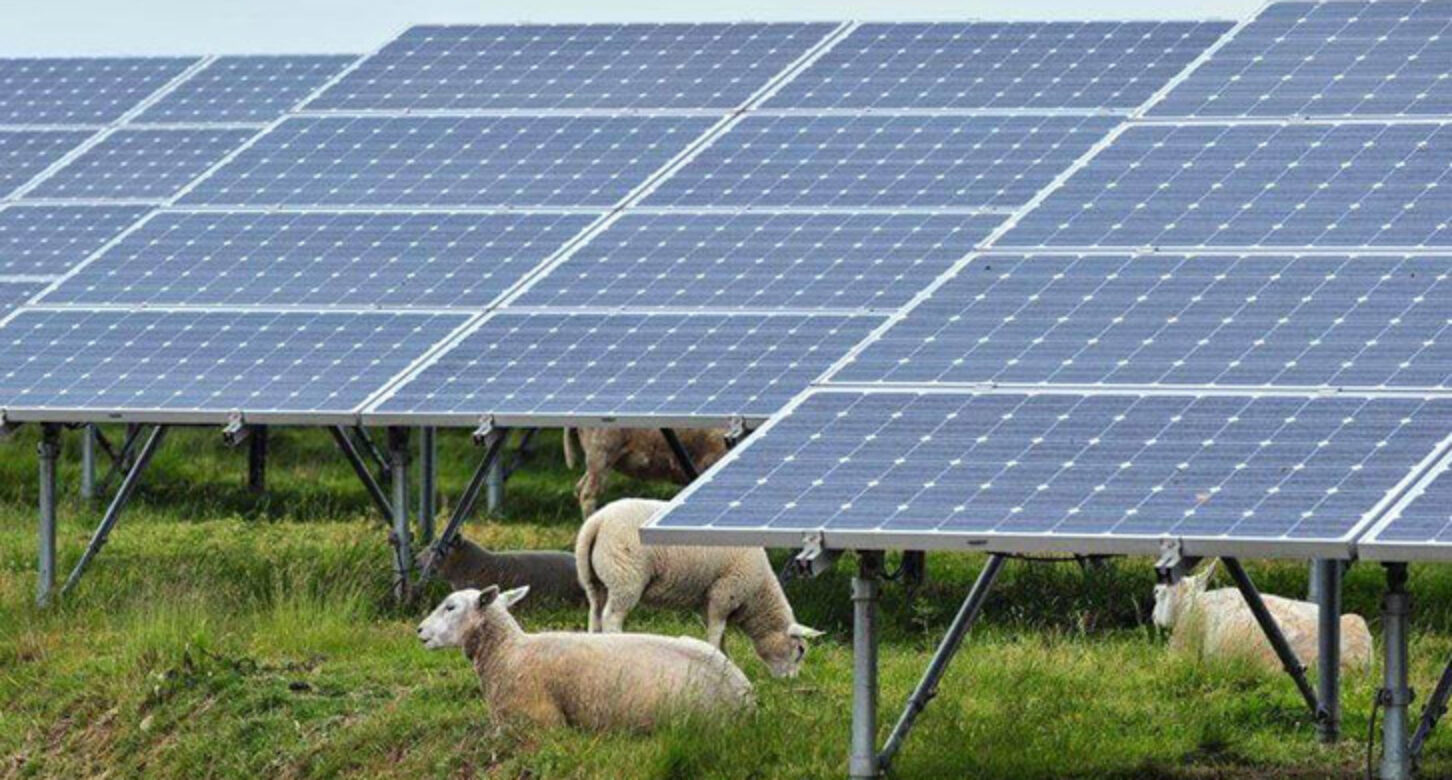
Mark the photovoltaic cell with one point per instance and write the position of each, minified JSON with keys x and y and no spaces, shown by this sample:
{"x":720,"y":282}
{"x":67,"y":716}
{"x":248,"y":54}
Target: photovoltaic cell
{"x":24,"y":154}
{"x":321,"y":259}
{"x":1343,"y":321}
{"x":14,"y":294}
{"x":141,"y":164}
{"x":912,"y":470}
{"x":96,"y":90}
{"x":213,"y":362}
{"x":462,"y":162}
{"x":1421,"y":529}
{"x":754,"y":260}
{"x":1039,"y":65}
{"x":1315,"y":185}
{"x":246,"y":89}
{"x":598,"y":66}
{"x":1327,"y":59}
{"x":629,"y":364}
{"x":50,"y":240}
{"x":881,"y":161}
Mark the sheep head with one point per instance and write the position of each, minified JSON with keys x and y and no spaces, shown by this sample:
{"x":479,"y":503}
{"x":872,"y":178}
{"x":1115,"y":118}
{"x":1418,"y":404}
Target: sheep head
{"x":1171,"y":601}
{"x":784,"y":650}
{"x":449,"y":622}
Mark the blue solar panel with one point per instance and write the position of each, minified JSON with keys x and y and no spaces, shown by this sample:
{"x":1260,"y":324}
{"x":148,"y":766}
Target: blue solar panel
{"x":213,"y":362}
{"x":141,"y":164}
{"x":321,"y":259}
{"x":24,"y":154}
{"x":881,"y":161}
{"x":246,"y":89}
{"x":1342,"y":321}
{"x":13,"y":294}
{"x":574,"y":66}
{"x":629,"y":364}
{"x":51,"y":91}
{"x":50,"y":240}
{"x":1040,"y":65}
{"x":1069,"y":471}
{"x":1419,"y":528}
{"x":1322,"y":185}
{"x":791,"y":261}
{"x":1327,"y":59}
{"x":508,"y":161}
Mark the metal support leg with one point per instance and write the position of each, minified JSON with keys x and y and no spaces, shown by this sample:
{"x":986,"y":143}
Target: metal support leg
{"x":928,"y":686}
{"x":465,"y":507}
{"x":118,"y":503}
{"x":402,"y":554}
{"x":88,"y":462}
{"x":375,"y":492}
{"x":1292,"y":664}
{"x":683,"y":456}
{"x":257,"y":459}
{"x":1328,"y":638}
{"x":1395,"y":696}
{"x":121,"y":460}
{"x":494,"y":501}
{"x":49,"y":451}
{"x":367,"y":446}
{"x":1436,"y":708}
{"x":428,"y":479}
{"x":862,"y":763}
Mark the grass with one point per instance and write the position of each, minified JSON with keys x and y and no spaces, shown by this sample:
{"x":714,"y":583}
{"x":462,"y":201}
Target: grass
{"x":222,"y":634}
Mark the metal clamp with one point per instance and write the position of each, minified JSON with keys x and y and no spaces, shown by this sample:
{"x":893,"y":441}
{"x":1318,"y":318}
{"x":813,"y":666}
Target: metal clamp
{"x":812,"y":561}
{"x":236,"y":431}
{"x":736,"y":432}
{"x":485,"y":430}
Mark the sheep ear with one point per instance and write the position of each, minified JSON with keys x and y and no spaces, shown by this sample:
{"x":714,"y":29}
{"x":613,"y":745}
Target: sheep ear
{"x":488,"y":595}
{"x":804,"y":632}
{"x":512,"y":597}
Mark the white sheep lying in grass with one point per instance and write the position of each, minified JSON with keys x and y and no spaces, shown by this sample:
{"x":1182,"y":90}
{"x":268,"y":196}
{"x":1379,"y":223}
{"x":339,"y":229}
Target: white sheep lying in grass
{"x":591,"y":681}
{"x":731,"y":584}
{"x":1220,"y":624}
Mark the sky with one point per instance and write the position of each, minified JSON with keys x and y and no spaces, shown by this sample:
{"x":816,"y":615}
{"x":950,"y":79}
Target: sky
{"x":93,"y":27}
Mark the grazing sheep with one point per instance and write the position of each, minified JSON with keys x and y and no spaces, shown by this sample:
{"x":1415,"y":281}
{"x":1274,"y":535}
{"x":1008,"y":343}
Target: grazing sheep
{"x":731,"y":584}
{"x":591,"y":681}
{"x":641,"y":453}
{"x":549,"y":574}
{"x":1223,"y":624}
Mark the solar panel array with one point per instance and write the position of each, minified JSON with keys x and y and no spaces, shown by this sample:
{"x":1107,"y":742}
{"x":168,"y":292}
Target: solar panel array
{"x":601,"y":221}
{"x":1226,"y":328}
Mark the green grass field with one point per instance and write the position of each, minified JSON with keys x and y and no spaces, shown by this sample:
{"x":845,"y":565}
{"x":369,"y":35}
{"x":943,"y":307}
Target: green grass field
{"x":222,"y":634}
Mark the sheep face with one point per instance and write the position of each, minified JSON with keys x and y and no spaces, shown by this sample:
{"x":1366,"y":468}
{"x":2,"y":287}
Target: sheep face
{"x":450,"y":621}
{"x":784,"y":651}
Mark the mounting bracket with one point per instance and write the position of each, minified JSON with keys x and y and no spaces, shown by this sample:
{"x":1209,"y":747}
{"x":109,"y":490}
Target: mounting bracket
{"x":236,"y":431}
{"x":812,"y":561}
{"x":485,"y":430}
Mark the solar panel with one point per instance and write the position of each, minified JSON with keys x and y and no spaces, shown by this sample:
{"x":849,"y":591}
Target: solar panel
{"x":618,"y":365}
{"x":1418,"y":528}
{"x":202,"y":365}
{"x":246,"y":89}
{"x":99,"y":90}
{"x":13,"y":294}
{"x":50,"y":240}
{"x":24,"y":154}
{"x":321,"y":259}
{"x":1314,"y":185}
{"x":461,"y":162}
{"x":1262,"y":320}
{"x":881,"y":161}
{"x":1327,"y":59}
{"x":598,"y":66}
{"x":1037,"y":65}
{"x":757,"y":260}
{"x":134,"y":164}
{"x":1081,"y":473}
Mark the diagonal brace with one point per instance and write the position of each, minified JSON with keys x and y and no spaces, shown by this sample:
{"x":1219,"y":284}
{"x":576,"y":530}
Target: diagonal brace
{"x":493,"y":447}
{"x":118,"y":503}
{"x":683,"y":455}
{"x":952,"y":641}
{"x":1435,"y":709}
{"x":120,"y":459}
{"x":1287,"y":656}
{"x":375,"y":492}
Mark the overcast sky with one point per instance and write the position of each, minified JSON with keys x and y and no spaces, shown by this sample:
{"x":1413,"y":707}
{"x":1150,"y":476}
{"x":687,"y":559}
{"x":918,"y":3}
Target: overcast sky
{"x":50,"y":27}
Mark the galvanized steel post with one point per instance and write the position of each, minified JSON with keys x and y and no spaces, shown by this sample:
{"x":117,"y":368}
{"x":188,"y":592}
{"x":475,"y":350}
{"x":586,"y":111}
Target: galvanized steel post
{"x":862,"y":763}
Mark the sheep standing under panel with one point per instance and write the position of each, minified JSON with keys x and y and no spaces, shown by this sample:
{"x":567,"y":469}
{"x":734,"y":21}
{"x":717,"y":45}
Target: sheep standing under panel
{"x":731,"y":584}
{"x":549,"y":574}
{"x":1220,"y":624}
{"x":641,"y":453}
{"x":591,"y":681}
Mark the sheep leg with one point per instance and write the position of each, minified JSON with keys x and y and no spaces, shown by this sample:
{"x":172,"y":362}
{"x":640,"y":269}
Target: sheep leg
{"x":718,"y":611}
{"x":617,"y":607}
{"x":597,"y":597}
